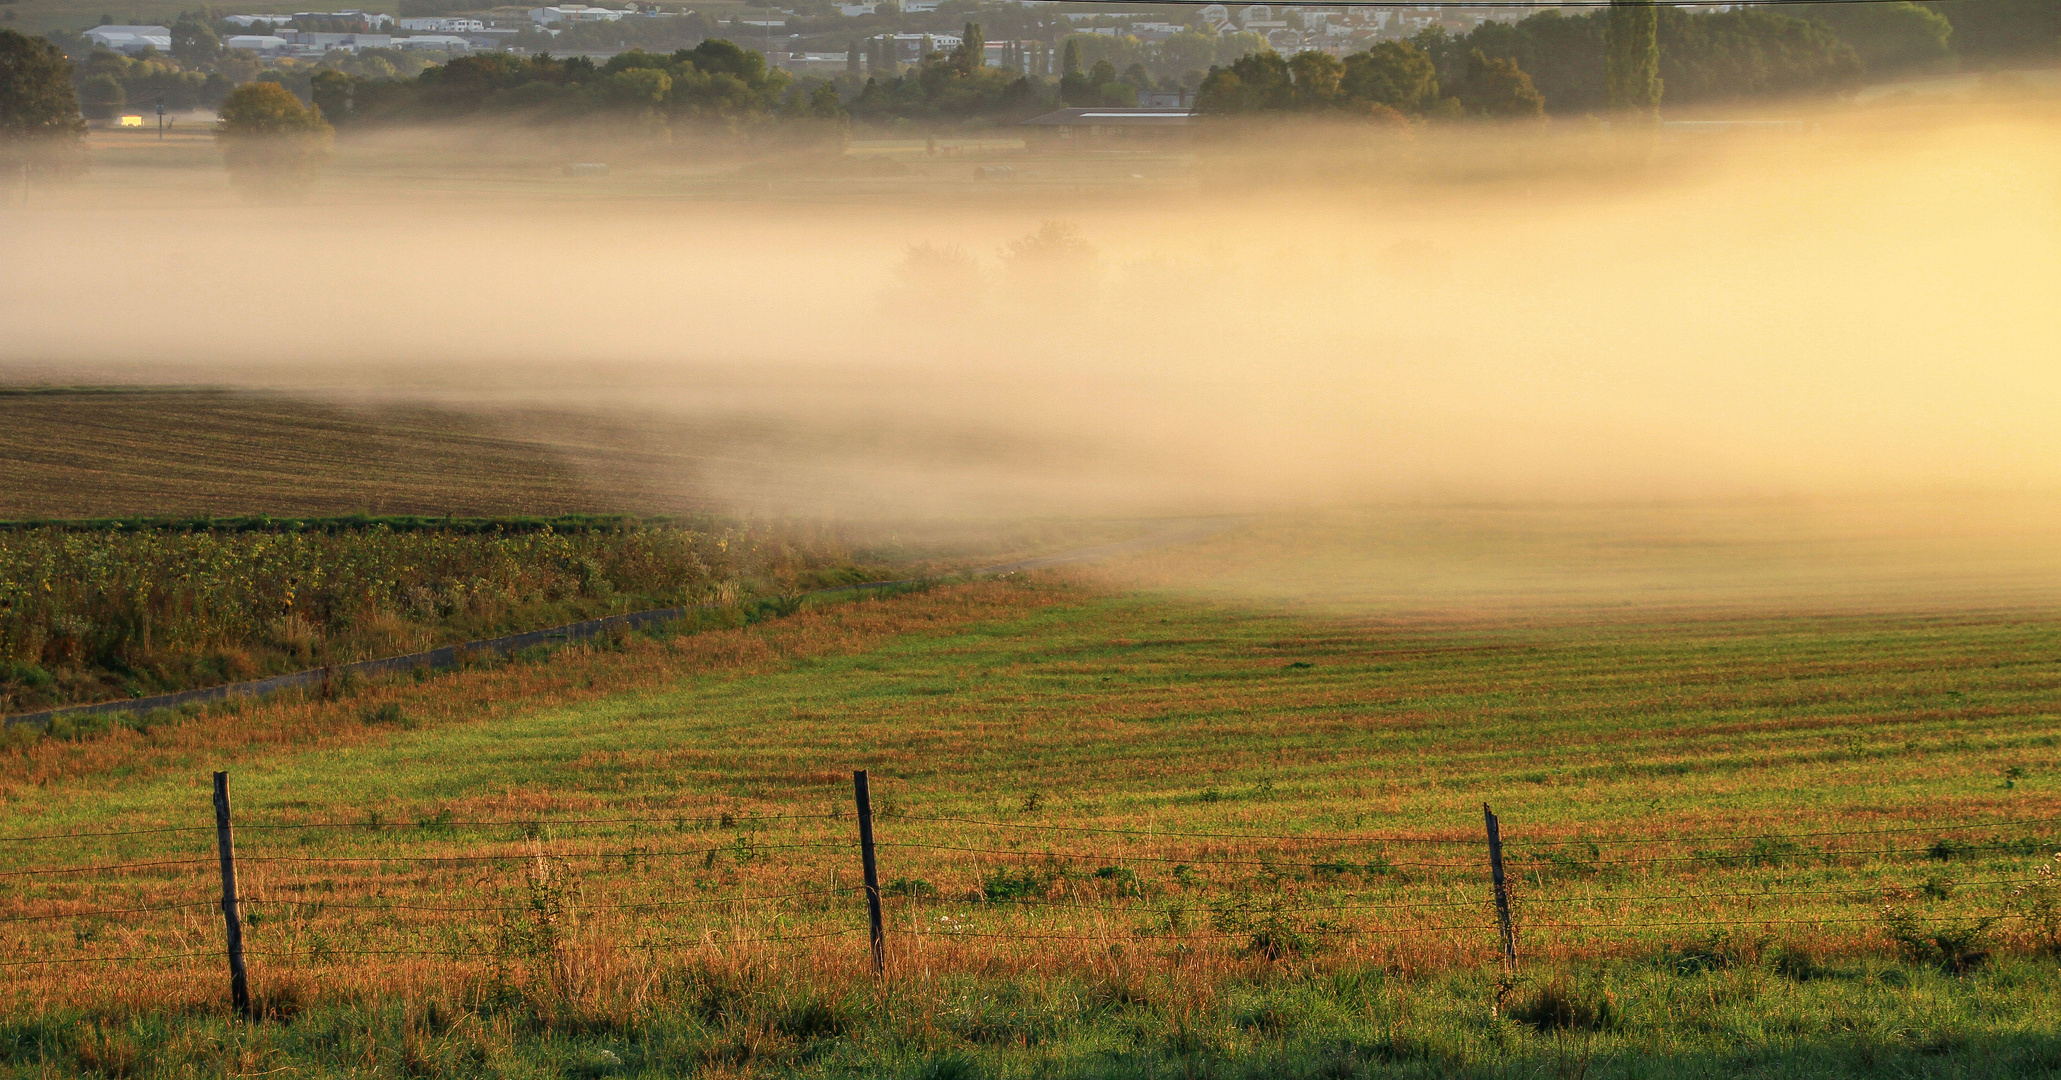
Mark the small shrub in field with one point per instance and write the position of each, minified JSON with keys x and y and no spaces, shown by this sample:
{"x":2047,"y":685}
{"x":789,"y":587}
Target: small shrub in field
{"x":388,"y":715}
{"x":1955,"y":947}
{"x":1003,"y":884}
{"x":1559,"y":1005}
{"x":913,"y":888}
{"x":1795,"y":964}
{"x":1716,"y":951}
{"x":1577,"y":860}
{"x":1763,"y":851}
{"x":1125,"y":881}
{"x":2039,"y":900}
{"x":810,"y":1017}
{"x":1270,"y":932}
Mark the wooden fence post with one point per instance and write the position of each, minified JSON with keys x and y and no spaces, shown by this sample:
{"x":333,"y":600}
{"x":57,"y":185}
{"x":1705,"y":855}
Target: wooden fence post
{"x":1495,"y":844}
{"x":865,"y":799}
{"x":232,"y":915}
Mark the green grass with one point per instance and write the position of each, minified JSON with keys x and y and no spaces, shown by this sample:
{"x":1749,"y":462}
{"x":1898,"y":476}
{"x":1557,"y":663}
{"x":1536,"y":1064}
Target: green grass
{"x":1057,"y":706}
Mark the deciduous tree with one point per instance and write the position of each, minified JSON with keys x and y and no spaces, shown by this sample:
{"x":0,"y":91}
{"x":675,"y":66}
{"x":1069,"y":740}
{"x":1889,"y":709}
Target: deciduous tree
{"x":1499,"y":90}
{"x":41,"y":134}
{"x":1392,"y":73}
{"x":273,"y":144}
{"x":1632,"y":57}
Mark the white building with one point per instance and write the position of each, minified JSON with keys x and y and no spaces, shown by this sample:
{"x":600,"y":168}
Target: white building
{"x":248,"y":21}
{"x":911,"y":48}
{"x":853,"y":11}
{"x":372,"y":19}
{"x":443,"y":25}
{"x":258,"y":43}
{"x":131,"y":39}
{"x":443,"y":43}
{"x":573,"y":13}
{"x":319,"y":42}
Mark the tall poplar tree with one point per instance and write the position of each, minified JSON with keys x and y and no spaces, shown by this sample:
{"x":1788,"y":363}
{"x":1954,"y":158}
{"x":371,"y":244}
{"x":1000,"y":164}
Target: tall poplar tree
{"x":972,"y":53}
{"x":1631,"y":52}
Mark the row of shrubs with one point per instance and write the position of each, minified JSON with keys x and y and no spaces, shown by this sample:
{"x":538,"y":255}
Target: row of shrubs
{"x":125,"y":612}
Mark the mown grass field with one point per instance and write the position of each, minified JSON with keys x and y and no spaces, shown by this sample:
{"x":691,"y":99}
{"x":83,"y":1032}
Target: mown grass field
{"x":1125,"y":832}
{"x":181,"y":452}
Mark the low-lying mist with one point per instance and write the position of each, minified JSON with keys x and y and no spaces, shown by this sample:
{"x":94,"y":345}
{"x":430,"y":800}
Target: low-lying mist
{"x":1856,"y":306}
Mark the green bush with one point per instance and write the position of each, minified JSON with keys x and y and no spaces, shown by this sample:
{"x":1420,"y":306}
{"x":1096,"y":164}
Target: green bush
{"x":21,"y":673}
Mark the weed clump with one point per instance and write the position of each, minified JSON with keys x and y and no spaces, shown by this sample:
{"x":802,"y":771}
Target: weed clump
{"x":388,"y":715}
{"x":913,"y":888}
{"x":1796,"y":964}
{"x":1956,"y":947}
{"x":2039,"y":900}
{"x":1560,"y":1005}
{"x":1003,"y":885}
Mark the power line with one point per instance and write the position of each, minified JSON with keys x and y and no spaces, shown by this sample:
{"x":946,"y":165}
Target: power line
{"x":719,"y":820}
{"x":1520,"y":842}
{"x":1523,"y":4}
{"x":1208,"y":835}
{"x":1112,"y":857}
{"x":98,"y":869}
{"x":108,"y":911}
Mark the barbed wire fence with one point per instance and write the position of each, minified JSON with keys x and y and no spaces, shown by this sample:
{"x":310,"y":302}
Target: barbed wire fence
{"x":1028,"y":868}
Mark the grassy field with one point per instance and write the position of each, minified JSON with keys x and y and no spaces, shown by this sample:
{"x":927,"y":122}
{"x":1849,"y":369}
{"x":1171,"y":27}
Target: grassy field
{"x":1125,"y":832}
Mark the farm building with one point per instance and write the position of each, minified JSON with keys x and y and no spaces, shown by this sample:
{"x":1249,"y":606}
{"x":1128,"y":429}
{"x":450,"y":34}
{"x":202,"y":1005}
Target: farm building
{"x":1099,"y":125}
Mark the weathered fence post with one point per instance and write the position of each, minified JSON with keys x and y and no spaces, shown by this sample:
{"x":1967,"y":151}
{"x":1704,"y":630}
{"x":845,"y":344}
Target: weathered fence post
{"x":1495,"y":839}
{"x":232,"y":915}
{"x":865,"y":799}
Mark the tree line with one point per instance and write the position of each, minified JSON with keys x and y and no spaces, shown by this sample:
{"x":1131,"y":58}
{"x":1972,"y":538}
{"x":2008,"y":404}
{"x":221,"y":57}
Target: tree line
{"x":1633,"y":56}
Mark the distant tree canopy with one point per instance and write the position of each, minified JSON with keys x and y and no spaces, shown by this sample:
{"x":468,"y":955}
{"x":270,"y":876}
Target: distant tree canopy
{"x":100,"y":96}
{"x":1387,"y":81}
{"x":714,"y":80}
{"x":1392,"y":73}
{"x":261,"y":110}
{"x":947,"y":87}
{"x":1180,"y":60}
{"x":273,"y":144}
{"x":1496,"y":88}
{"x":1705,"y":57}
{"x":1891,"y":39}
{"x":194,"y":41}
{"x":36,"y":96}
{"x":2004,"y":30}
